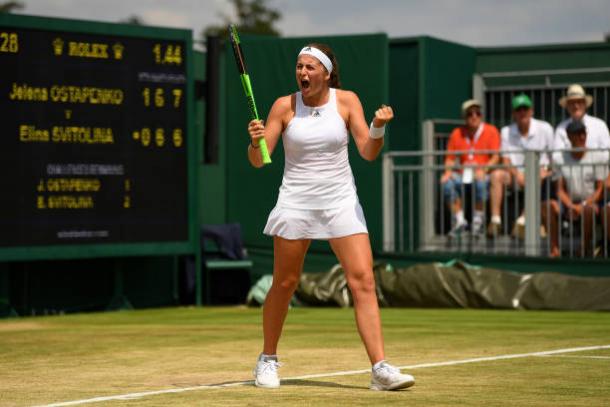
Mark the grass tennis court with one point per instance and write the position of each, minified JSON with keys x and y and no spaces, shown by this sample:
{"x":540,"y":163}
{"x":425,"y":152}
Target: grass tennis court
{"x":46,"y":360}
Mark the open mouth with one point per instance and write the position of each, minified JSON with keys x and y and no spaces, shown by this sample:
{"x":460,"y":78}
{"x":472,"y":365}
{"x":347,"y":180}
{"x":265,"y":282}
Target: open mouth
{"x":304,"y":84}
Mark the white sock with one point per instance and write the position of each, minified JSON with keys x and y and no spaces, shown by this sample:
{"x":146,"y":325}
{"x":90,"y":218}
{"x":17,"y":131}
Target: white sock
{"x":378,"y":364}
{"x":478,"y":216}
{"x":496,"y":219}
{"x":267,"y":358}
{"x":459,"y":217}
{"x":521,"y":220}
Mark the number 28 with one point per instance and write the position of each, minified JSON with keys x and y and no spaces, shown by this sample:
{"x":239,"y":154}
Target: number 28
{"x":9,"y":42}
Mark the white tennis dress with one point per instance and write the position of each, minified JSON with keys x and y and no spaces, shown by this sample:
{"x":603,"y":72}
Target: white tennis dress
{"x":317,"y":198}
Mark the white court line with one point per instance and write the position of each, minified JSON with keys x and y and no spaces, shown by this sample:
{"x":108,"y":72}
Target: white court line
{"x":576,"y":357}
{"x":131,"y":396}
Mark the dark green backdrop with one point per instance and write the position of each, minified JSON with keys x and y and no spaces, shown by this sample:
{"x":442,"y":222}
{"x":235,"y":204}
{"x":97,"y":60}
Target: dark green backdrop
{"x":421,"y":77}
{"x":252,"y":193}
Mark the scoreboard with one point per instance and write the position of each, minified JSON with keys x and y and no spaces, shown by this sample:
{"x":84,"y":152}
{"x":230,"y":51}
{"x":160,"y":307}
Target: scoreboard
{"x":95,"y":144}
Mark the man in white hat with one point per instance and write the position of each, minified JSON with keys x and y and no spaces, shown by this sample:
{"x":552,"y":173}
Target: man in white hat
{"x":576,"y":102}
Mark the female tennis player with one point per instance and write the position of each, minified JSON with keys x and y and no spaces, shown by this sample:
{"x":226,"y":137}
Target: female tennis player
{"x":318,"y":200}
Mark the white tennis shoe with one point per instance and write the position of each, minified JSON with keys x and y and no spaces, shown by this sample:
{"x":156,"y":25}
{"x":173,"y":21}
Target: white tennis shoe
{"x":388,"y":377}
{"x":265,"y":374}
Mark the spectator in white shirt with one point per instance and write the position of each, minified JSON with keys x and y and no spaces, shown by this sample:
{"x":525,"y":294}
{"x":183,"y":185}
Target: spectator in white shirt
{"x":579,"y":189}
{"x":576,"y":102}
{"x":525,"y":133}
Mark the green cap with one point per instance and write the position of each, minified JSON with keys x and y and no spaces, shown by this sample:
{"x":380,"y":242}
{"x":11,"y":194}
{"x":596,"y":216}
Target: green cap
{"x":521,"y":100}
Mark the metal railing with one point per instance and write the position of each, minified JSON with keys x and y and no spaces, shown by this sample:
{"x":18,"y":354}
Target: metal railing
{"x":544,"y":87}
{"x":416,"y":217}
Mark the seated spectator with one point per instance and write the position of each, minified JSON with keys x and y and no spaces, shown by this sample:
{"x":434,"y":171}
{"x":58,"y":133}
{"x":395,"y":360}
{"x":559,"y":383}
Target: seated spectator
{"x":525,"y":133}
{"x":472,"y":136}
{"x":579,"y":189}
{"x":576,"y":102}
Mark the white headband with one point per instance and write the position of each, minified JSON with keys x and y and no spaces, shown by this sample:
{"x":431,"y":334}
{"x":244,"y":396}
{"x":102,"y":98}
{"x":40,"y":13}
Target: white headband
{"x":314,"y":52}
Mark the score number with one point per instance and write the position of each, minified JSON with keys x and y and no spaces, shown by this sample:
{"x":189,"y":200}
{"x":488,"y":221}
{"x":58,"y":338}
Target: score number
{"x":167,"y":54}
{"x":157,"y":96}
{"x":9,"y":42}
{"x":147,"y":137}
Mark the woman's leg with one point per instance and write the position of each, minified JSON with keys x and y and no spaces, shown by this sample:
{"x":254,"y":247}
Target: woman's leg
{"x":354,"y":254}
{"x":287,"y":265}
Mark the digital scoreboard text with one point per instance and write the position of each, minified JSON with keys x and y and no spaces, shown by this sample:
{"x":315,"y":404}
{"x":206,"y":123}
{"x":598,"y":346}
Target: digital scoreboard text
{"x":93,"y":132}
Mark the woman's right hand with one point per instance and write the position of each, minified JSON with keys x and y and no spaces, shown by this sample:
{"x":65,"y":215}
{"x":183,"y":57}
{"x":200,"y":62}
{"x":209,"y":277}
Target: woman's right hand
{"x":256,"y":129}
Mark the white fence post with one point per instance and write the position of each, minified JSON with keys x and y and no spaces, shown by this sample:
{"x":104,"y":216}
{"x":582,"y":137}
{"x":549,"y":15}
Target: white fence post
{"x":532,"y":204}
{"x":427,"y":186}
{"x":478,"y":89}
{"x":388,"y":203}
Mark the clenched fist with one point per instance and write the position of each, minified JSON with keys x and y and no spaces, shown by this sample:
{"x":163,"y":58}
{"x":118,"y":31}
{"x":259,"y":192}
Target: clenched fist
{"x":383,"y":115}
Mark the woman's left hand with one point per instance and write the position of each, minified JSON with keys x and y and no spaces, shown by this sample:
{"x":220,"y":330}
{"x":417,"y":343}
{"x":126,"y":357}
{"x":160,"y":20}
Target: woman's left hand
{"x":383,"y":115}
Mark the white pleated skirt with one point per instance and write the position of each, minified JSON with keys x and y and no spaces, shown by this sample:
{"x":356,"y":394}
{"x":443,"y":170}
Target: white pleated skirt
{"x":322,"y":224}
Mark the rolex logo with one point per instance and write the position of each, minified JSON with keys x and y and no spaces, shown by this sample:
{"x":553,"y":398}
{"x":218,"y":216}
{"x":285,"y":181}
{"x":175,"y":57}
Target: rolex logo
{"x":58,"y":46}
{"x":117,"y":49}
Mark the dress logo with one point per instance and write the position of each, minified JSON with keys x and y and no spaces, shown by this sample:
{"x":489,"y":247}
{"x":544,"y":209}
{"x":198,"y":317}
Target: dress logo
{"x":315,"y":113}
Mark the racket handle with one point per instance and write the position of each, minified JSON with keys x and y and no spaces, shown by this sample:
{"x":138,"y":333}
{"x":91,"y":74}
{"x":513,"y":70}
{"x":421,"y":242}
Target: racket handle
{"x":264,"y":152}
{"x":245,"y":81}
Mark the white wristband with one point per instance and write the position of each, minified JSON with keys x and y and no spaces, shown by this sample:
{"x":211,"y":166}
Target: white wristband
{"x":376,"y":132}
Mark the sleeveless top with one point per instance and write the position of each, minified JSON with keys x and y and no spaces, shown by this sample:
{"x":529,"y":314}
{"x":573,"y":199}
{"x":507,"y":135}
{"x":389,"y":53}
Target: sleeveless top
{"x":317,"y":174}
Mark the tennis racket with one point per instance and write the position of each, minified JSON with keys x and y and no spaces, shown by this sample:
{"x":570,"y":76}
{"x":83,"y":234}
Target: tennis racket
{"x":245,"y":81}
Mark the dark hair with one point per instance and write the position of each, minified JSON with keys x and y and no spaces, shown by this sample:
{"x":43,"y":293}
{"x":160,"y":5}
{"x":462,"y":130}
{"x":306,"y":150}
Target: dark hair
{"x":575,"y":128}
{"x":334,"y":75}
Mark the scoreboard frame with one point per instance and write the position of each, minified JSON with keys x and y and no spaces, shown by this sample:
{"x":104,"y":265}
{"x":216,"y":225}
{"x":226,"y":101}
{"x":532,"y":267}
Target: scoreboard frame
{"x":122,"y":249}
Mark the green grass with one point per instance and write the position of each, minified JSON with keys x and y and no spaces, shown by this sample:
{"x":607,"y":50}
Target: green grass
{"x":72,"y":357}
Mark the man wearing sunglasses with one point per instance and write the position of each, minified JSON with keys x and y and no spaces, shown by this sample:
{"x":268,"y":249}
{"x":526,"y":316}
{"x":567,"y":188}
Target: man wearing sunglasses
{"x":525,"y":133}
{"x":473,"y":136}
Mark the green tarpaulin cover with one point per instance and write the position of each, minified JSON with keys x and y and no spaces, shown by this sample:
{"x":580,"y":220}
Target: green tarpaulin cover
{"x":459,"y":285}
